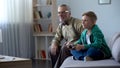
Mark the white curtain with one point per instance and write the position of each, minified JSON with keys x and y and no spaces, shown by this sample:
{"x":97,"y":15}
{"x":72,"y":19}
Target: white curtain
{"x":16,"y":25}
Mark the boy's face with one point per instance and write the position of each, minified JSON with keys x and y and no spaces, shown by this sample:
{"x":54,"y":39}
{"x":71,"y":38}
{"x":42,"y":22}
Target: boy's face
{"x":87,"y":23}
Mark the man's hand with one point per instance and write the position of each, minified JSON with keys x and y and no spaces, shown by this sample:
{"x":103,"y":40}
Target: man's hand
{"x":54,"y":48}
{"x":68,"y":44}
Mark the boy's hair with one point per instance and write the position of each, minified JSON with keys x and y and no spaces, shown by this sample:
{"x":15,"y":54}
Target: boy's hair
{"x":90,"y":14}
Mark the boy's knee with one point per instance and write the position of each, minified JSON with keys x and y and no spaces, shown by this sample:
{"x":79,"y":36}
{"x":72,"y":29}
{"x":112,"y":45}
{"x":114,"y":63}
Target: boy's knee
{"x":92,"y":51}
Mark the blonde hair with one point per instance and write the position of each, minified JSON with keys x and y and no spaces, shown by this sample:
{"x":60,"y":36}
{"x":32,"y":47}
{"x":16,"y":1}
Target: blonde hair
{"x":90,"y":14}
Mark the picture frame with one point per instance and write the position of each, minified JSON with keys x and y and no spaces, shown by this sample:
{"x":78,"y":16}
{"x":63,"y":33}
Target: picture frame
{"x":104,"y":2}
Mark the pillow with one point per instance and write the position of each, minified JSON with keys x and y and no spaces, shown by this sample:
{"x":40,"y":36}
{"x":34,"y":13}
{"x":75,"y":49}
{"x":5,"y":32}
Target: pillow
{"x":116,"y":35}
{"x":116,"y":49}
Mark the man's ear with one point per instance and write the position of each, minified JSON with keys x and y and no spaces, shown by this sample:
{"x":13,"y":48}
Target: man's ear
{"x":70,"y":13}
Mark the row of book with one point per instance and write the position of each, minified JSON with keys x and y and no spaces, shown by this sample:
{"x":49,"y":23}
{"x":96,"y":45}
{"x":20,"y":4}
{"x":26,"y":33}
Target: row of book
{"x":41,"y":54}
{"x":49,"y":2}
{"x":37,"y":28}
{"x":38,"y":15}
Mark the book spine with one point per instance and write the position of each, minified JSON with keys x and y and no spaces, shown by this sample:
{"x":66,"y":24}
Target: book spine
{"x":43,"y":54}
{"x":36,"y":14}
{"x":50,"y":27}
{"x":37,"y":27}
{"x":40,"y":14}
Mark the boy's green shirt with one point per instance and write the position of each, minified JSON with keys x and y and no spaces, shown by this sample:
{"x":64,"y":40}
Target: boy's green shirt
{"x":97,"y":40}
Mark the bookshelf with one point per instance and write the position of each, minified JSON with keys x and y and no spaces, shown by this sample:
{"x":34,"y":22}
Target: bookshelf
{"x":42,"y":42}
{"x":45,"y":13}
{"x":44,"y":26}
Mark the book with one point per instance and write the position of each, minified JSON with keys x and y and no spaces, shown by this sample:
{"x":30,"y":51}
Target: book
{"x":49,"y":2}
{"x":40,"y":14}
{"x":49,"y":14}
{"x":37,"y":27}
{"x":50,"y":27}
{"x":43,"y":54}
{"x":36,"y":15}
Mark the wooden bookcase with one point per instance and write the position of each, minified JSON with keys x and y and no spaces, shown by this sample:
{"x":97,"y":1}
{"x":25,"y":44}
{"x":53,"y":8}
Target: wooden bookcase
{"x":44,"y":25}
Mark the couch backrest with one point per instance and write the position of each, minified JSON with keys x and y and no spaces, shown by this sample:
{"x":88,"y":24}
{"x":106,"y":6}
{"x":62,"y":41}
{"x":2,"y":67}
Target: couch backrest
{"x":115,"y":46}
{"x":113,"y":39}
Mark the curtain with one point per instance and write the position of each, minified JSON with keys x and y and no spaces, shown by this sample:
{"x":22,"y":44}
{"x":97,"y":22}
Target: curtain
{"x":16,"y":25}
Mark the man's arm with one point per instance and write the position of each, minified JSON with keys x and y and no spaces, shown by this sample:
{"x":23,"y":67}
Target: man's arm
{"x":58,"y":36}
{"x":57,"y":39}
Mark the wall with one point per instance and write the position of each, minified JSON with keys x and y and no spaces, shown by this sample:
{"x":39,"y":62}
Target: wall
{"x":63,"y":2}
{"x":108,"y":15}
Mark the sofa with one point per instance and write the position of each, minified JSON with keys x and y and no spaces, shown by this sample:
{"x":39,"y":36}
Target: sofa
{"x":113,"y":62}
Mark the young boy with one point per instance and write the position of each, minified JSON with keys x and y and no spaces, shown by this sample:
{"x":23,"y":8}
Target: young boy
{"x":91,"y":45}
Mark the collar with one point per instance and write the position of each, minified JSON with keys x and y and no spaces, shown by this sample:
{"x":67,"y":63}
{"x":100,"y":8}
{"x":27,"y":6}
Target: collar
{"x":68,"y":21}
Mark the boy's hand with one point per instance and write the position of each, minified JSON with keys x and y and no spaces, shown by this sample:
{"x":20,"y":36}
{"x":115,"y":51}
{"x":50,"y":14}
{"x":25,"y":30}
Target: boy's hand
{"x":78,"y":47}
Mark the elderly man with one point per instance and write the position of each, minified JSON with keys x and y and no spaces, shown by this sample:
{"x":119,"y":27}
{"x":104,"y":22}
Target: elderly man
{"x":69,"y":29}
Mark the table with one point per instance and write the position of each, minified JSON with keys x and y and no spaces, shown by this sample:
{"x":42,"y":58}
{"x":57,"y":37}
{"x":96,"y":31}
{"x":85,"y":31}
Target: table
{"x":14,"y":62}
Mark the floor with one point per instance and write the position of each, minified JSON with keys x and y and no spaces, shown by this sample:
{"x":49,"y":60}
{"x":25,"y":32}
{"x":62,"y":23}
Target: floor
{"x":37,"y":63}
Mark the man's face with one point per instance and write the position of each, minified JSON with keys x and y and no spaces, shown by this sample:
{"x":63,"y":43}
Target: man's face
{"x":63,"y":14}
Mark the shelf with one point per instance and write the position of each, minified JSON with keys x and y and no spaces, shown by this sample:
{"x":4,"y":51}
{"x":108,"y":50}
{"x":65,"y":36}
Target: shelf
{"x":42,"y":20}
{"x":37,"y":5}
{"x":42,"y":58}
{"x":44,"y":34}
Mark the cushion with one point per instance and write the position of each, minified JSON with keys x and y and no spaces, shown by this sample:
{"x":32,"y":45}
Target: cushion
{"x":116,"y":49}
{"x":112,"y":40}
{"x":106,"y":63}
